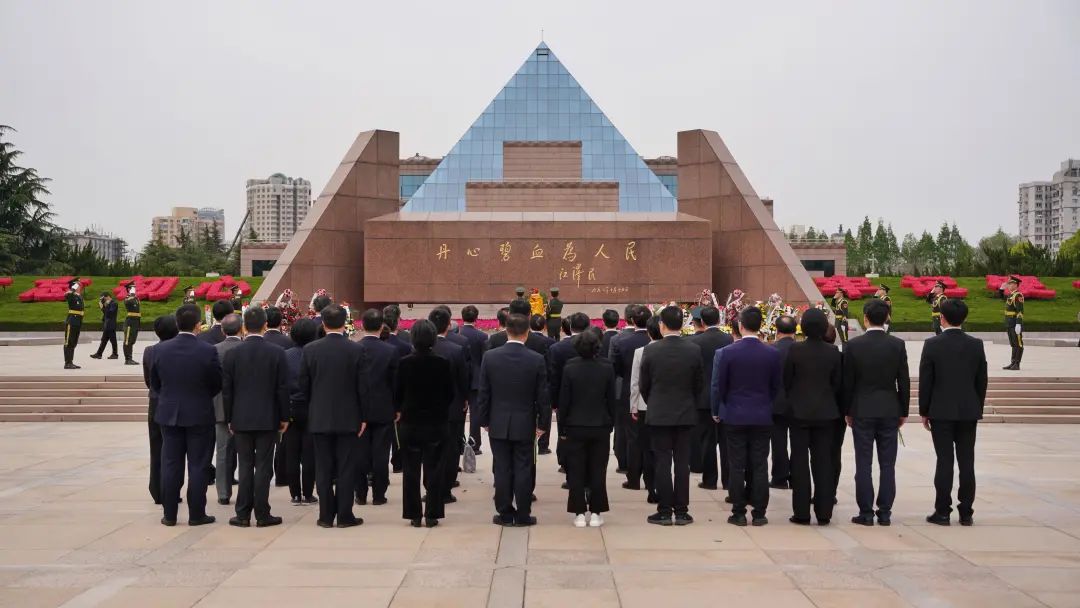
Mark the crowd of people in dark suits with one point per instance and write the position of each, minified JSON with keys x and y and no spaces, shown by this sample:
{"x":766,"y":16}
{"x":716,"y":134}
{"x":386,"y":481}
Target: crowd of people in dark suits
{"x":330,"y":416}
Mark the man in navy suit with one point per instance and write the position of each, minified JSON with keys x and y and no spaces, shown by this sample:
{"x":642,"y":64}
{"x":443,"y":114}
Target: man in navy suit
{"x":185,"y":375}
{"x":477,"y":340}
{"x":460,"y":366}
{"x":622,"y":356}
{"x":745,"y":381}
{"x":780,"y":477}
{"x":378,"y":369}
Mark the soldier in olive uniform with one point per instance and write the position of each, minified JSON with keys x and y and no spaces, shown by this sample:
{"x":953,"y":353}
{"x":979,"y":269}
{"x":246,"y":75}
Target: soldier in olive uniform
{"x":882,"y":294}
{"x":936,"y":299}
{"x":108,"y":325}
{"x":132,"y":323}
{"x":73,"y":323}
{"x":1014,"y":318}
{"x":189,"y":295}
{"x":236,"y":300}
{"x":840,"y":312}
{"x":554,"y":315}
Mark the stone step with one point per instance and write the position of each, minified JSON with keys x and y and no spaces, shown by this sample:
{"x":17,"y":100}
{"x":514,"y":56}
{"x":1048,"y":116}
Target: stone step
{"x":1026,"y":410}
{"x":71,"y":385}
{"x":137,"y":400}
{"x":1042,"y":418}
{"x":76,"y":378}
{"x":75,"y":409}
{"x":74,"y":417}
{"x":66,"y":392}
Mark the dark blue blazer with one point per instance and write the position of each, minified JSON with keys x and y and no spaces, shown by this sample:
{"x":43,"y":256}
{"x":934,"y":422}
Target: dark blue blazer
{"x":186,"y":375}
{"x":746,"y":378}
{"x":513,"y":399}
{"x":477,"y":339}
{"x":378,"y":372}
{"x":557,"y":356}
{"x":403,"y":348}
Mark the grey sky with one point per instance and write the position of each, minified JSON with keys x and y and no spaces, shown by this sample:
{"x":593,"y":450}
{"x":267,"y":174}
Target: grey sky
{"x":917,"y":112}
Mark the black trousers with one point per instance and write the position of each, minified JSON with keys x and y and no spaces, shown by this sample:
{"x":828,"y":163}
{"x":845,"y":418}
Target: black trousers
{"x":429,"y":456}
{"x":697,"y":442}
{"x":475,"y":433}
{"x":299,"y":451}
{"x":131,"y":334}
{"x":1016,"y":341}
{"x":811,"y":457}
{"x":712,"y":470}
{"x":454,"y":444}
{"x":155,"y":461}
{"x":954,"y":436}
{"x":335,"y":470}
{"x":108,"y":337}
{"x":281,"y":462}
{"x":781,"y":463}
{"x":72,"y":328}
{"x":640,"y":459}
{"x":748,"y":455}
{"x":255,"y":462}
{"x":839,"y":431}
{"x":374,"y":458}
{"x":671,"y":451}
{"x":586,"y":450}
{"x":865,"y":433}
{"x":196,"y":445}
{"x":544,"y":442}
{"x":514,"y":477}
{"x":623,"y":424}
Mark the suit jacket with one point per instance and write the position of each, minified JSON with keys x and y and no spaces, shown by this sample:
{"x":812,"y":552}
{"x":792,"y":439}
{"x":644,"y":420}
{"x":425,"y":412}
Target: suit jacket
{"x":622,"y":357}
{"x":781,"y":407}
{"x":814,"y":380}
{"x":876,"y":383}
{"x":626,"y":331}
{"x":587,"y":394}
{"x":557,"y":355}
{"x":255,"y":385}
{"x":212,"y":336}
{"x":459,"y":370}
{"x":147,"y":363}
{"x":709,"y":341}
{"x":745,"y":381}
{"x":330,"y":382}
{"x":222,"y":348}
{"x":378,"y":368}
{"x":424,"y":391}
{"x":298,"y":407}
{"x":185,"y":374}
{"x":496,"y":340}
{"x":952,"y":377}
{"x":605,"y":342}
{"x":108,"y":316}
{"x":513,"y":398}
{"x":539,"y":343}
{"x":670,"y":381}
{"x":404,"y":347}
{"x":278,"y":338}
{"x":477,"y":340}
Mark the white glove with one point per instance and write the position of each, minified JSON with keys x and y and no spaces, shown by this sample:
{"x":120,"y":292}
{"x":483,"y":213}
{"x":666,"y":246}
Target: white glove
{"x":1019,"y":329}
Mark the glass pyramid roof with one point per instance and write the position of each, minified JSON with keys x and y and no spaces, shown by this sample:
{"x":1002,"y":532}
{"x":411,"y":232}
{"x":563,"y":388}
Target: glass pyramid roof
{"x":542,"y":102}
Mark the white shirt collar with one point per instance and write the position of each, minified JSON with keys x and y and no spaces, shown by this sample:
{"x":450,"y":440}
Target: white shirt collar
{"x":232,"y":338}
{"x":872,"y":328}
{"x":948,"y":328}
{"x":513,"y":341}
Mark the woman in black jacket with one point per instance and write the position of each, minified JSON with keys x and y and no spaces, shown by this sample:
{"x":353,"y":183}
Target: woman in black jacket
{"x":298,"y":445}
{"x":422,"y":394}
{"x":813,"y":382}
{"x":586,"y":418}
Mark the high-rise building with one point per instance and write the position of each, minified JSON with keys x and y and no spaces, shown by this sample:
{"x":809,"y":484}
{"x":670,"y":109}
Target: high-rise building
{"x":188,"y":221}
{"x":109,"y":247}
{"x":277,"y":206}
{"x":1049,"y":212}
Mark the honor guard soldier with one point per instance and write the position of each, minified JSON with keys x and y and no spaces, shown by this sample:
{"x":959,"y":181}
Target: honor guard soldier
{"x":936,"y":299}
{"x":73,"y":323}
{"x":554,"y":315}
{"x":132,"y":323}
{"x":108,"y":325}
{"x":189,"y":295}
{"x":840,"y":311}
{"x":236,"y":300}
{"x":1014,"y":317}
{"x":882,"y":294}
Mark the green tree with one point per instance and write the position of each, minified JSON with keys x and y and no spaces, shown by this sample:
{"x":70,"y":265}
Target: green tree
{"x":1070,"y":248}
{"x":27,"y":233}
{"x":864,"y":242}
{"x":883,"y":246}
{"x":811,"y":234}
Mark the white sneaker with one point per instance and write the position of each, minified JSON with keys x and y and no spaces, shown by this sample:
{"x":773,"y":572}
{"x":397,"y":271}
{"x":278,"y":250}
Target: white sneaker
{"x":579,"y":521}
{"x":596,"y":521}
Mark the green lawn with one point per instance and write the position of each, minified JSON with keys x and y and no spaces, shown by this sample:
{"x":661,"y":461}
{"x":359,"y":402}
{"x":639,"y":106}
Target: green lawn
{"x":49,"y":316}
{"x":987,"y":311}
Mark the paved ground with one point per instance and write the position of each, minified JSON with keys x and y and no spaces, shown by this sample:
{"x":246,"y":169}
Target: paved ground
{"x":78,"y":529}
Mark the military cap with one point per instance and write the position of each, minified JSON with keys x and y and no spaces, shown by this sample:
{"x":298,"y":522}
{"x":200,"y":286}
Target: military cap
{"x":884,"y":287}
{"x":940,"y":284}
{"x":1014,"y":279}
{"x":554,"y":290}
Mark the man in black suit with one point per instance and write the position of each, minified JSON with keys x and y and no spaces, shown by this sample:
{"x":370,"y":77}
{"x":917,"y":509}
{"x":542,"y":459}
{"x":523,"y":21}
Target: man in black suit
{"x":185,"y":374}
{"x":877,"y":392}
{"x":622,"y":423}
{"x":459,"y":367}
{"x":780,"y":476}
{"x":952,"y":393}
{"x":611,"y":329}
{"x":378,"y":368}
{"x":331,"y":383}
{"x":557,"y":356}
{"x":622,"y":356}
{"x":517,"y":307}
{"x":671,"y":381}
{"x":538,"y":340}
{"x":255,"y":390}
{"x":165,"y":329}
{"x":390,"y":333}
{"x":275,"y":336}
{"x":710,"y":340}
{"x":514,"y":409}
{"x":477,"y":340}
{"x":219,"y":310}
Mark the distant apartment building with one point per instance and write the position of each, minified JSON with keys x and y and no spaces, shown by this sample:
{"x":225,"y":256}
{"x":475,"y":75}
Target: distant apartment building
{"x":1049,"y":211}
{"x":109,"y":247}
{"x":189,"y":221}
{"x":276,"y":207}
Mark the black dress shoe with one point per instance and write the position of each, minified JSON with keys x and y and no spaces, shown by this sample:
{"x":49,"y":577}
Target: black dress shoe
{"x":499,"y":520}
{"x":728,"y":500}
{"x":660,"y":519}
{"x":239,"y":523}
{"x":759,"y":521}
{"x":311,"y":500}
{"x":478,"y":451}
{"x":966,"y":521}
{"x":456,"y":484}
{"x":397,"y":469}
{"x":131,"y":362}
{"x":350,"y":523}
{"x":631,"y":486}
{"x":938,"y":519}
{"x":168,"y":522}
{"x":779,"y":485}
{"x":652,"y":499}
{"x":95,"y":356}
{"x":737,"y":520}
{"x":431,"y":522}
{"x":202,"y":521}
{"x":323,"y":524}
{"x":277,"y":484}
{"x":683,"y":519}
{"x":565,"y":486}
{"x":705,"y":486}
{"x":378,"y":501}
{"x":223,"y":501}
{"x":798,"y":521}
{"x":543,"y":451}
{"x":884,"y":521}
{"x":273,"y":520}
{"x":449,"y":499}
{"x":534,"y":498}
{"x":297,"y":501}
{"x":823,"y":522}
{"x":114,"y":356}
{"x":71,"y":366}
{"x":415,"y":522}
{"x":863,"y":520}
{"x":620,"y":470}
{"x":525,"y":522}
{"x":361,"y":500}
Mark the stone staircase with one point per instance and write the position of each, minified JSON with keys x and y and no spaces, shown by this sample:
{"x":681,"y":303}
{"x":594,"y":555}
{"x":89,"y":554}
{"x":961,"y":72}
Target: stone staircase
{"x":1025,"y":400}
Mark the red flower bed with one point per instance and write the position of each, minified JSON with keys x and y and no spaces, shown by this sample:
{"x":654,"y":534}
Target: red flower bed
{"x":1031,"y":287}
{"x":155,"y":289}
{"x":1076,"y":284}
{"x":921,"y":286}
{"x":491,"y":325}
{"x":50,"y":290}
{"x":221,"y":289}
{"x":6,"y":282}
{"x":855,"y":287}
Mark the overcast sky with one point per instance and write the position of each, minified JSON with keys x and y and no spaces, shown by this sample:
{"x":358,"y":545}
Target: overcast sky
{"x":916,"y":112}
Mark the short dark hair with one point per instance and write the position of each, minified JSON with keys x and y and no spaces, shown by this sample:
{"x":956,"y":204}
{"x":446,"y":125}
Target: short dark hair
{"x":220,"y":309}
{"x":710,"y":315}
{"x":188,"y":317}
{"x":537,"y":322}
{"x":232,"y":324}
{"x":440,"y":319}
{"x":165,"y":327}
{"x":579,"y":322}
{"x":106,"y":294}
{"x":333,"y":316}
{"x":652,"y":326}
{"x":876,"y":311}
{"x":955,"y":311}
{"x":611,"y":318}
{"x":423,"y":335}
{"x":814,"y":324}
{"x":517,"y":325}
{"x":672,"y":318}
{"x":750,"y":318}
{"x":641,"y":316}
{"x":304,"y":332}
{"x":254,"y":318}
{"x":587,"y":345}
{"x":390,"y":316}
{"x":785,"y":325}
{"x":565,"y":326}
{"x":372,"y":320}
{"x":470,"y":314}
{"x":321,"y":302}
{"x":520,"y":306}
{"x":273,"y":317}
{"x":628,"y":312}
{"x":502,"y":316}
